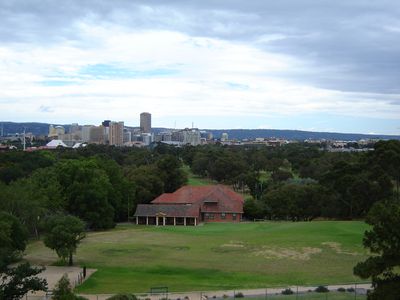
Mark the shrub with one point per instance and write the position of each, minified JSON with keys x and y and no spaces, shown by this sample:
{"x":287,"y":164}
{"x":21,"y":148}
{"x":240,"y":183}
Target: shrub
{"x":322,"y":289}
{"x":123,"y":297}
{"x":63,"y":290}
{"x":239,"y":295}
{"x":341,"y":289}
{"x":287,"y":292}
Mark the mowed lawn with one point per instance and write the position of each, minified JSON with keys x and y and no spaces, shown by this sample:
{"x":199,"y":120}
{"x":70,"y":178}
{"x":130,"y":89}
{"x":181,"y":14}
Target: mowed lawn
{"x":134,"y":258}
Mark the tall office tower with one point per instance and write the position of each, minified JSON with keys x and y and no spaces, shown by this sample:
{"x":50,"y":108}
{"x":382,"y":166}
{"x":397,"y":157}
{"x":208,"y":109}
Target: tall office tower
{"x":97,"y":135}
{"x":52,"y":131}
{"x":116,"y":133}
{"x":73,"y":128}
{"x":145,"y":122}
{"x":86,"y":133}
{"x":106,"y":124}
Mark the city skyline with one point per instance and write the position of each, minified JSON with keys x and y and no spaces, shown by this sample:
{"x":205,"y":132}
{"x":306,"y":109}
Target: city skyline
{"x":314,"y":66}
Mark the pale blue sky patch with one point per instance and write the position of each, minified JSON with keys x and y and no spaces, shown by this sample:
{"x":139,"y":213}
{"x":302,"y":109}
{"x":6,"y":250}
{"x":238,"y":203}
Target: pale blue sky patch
{"x":59,"y":83}
{"x":106,"y":71}
{"x":237,"y":86}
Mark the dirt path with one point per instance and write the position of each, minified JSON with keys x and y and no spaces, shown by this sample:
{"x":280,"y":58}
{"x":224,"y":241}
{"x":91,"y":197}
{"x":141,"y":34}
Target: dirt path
{"x":53,"y":274}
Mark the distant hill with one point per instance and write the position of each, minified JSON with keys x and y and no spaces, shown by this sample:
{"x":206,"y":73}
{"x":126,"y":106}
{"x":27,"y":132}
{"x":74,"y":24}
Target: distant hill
{"x":296,"y":134}
{"x":34,"y":127}
{"x":239,"y":134}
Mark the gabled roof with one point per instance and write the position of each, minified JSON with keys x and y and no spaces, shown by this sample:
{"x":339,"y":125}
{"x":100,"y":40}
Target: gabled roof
{"x":226,"y":199}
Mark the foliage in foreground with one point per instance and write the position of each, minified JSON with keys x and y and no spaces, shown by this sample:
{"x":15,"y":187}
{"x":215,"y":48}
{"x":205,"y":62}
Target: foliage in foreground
{"x":16,"y":282}
{"x":384,"y":242}
{"x":63,"y":290}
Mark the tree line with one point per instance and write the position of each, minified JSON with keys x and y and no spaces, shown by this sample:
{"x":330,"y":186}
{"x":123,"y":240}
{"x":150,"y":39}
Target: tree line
{"x":301,"y":182}
{"x":62,"y":193}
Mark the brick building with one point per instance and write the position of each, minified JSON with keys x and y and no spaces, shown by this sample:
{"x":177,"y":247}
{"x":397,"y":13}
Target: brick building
{"x":191,"y":205}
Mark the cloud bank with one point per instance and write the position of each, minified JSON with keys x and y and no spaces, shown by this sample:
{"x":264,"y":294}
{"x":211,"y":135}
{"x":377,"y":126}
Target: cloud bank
{"x":220,"y":64}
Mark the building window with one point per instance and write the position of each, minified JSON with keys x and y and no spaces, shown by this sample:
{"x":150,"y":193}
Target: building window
{"x":223,"y":215}
{"x":209,"y":216}
{"x":233,"y":216}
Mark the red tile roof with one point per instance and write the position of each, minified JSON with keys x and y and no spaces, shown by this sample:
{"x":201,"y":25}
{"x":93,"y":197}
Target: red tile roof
{"x":224,"y":198}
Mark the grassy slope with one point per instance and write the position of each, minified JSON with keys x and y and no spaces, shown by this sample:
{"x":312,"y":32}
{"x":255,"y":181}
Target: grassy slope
{"x":216,"y":256}
{"x":196,"y":180}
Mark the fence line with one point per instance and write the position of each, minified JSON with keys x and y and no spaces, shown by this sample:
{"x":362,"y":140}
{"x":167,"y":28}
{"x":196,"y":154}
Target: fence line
{"x":355,"y":291}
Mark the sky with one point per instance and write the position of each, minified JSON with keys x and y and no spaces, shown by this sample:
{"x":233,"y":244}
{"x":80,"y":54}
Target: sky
{"x":223,"y":64}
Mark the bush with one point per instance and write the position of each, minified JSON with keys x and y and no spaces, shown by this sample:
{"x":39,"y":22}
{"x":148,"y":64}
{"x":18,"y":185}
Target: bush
{"x":341,"y":289}
{"x":123,"y":297}
{"x":63,"y":290}
{"x":322,"y":289}
{"x":287,"y":292}
{"x":239,"y":295}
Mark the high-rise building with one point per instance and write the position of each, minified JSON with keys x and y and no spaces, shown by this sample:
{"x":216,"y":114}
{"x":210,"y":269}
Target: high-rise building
{"x":97,"y":134}
{"x":86,"y":133}
{"x":145,"y":122}
{"x":74,"y":128}
{"x":52,"y":131}
{"x":116,"y":133}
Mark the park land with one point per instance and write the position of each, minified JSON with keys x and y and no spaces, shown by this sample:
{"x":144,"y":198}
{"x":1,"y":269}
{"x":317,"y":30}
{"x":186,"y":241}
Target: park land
{"x":134,"y":258}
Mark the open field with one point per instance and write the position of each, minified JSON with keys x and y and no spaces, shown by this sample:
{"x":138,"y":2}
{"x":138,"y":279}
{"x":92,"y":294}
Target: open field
{"x":217,"y":256}
{"x":196,"y":180}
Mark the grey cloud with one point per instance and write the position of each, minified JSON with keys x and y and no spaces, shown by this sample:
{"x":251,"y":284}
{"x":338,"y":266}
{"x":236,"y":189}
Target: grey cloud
{"x":345,"y":45}
{"x":46,"y":109}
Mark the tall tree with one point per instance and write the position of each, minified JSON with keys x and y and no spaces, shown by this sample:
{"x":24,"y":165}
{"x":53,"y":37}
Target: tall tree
{"x":88,"y":190}
{"x":64,"y":233}
{"x":383,"y":240}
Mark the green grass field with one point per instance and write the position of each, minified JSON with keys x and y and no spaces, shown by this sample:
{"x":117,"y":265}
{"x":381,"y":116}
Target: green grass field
{"x":134,"y":258}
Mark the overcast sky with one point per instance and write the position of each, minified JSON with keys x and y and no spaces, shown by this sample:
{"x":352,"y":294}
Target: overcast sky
{"x":300,"y":64}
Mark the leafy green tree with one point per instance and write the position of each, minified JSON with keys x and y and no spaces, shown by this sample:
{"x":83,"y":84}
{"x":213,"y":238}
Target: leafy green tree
{"x":13,"y":237}
{"x":296,"y":202}
{"x":147,"y":182}
{"x":16,"y":282}
{"x":64,"y":234}
{"x":171,"y":172}
{"x":88,"y":191}
{"x":200,"y":164}
{"x":387,"y":156}
{"x":18,"y":164}
{"x":121,"y":190}
{"x":383,"y":240}
{"x":281,"y":175}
